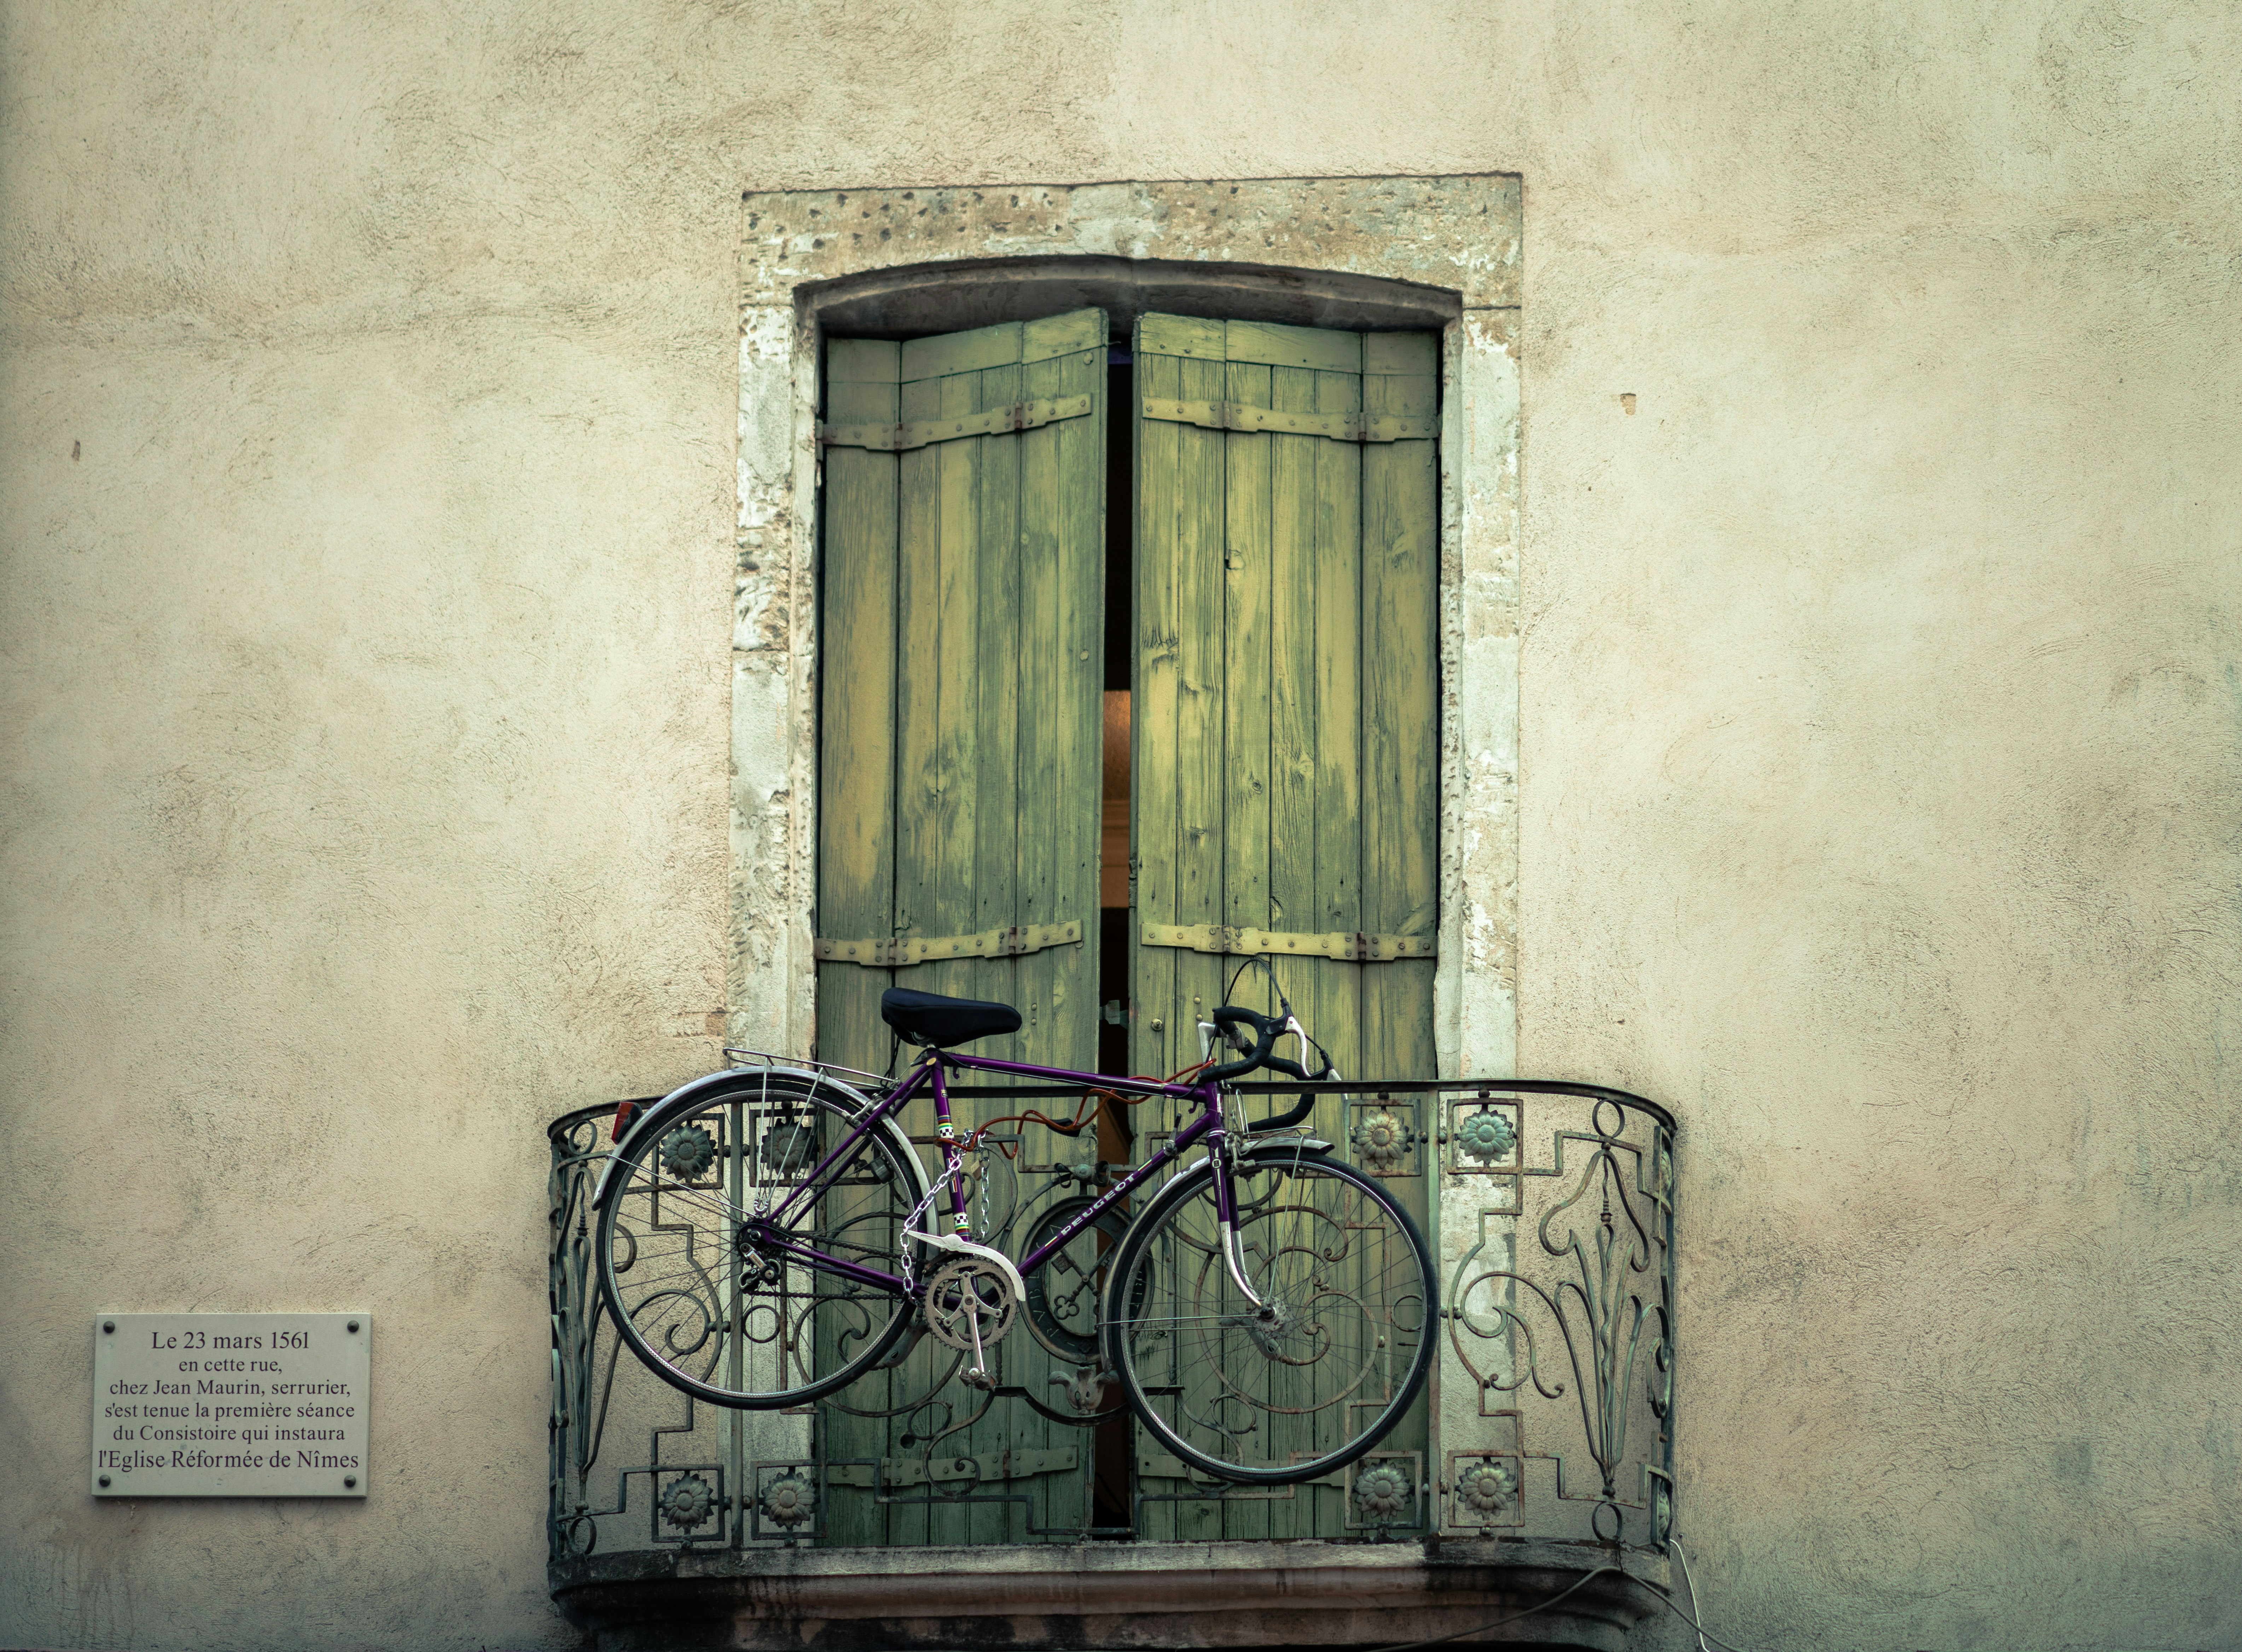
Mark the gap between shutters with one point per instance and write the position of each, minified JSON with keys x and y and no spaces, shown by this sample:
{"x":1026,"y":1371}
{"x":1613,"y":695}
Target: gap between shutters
{"x":907,"y":950}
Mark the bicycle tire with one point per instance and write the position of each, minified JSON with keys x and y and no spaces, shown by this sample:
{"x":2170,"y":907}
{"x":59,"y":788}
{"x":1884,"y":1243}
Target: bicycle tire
{"x":705,"y":1310}
{"x":1273,"y":1401}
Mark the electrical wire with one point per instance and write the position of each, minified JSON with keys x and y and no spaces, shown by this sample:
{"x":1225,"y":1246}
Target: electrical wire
{"x":1085,"y":1115}
{"x":1689,"y":1583}
{"x":1703,"y":1633}
{"x":1481,"y":1629}
{"x":1284,"y":1004}
{"x":1688,"y":1617}
{"x":1250,"y":959}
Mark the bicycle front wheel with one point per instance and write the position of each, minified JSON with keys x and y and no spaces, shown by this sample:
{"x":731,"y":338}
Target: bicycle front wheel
{"x":1321,"y":1368}
{"x":740,"y":1323}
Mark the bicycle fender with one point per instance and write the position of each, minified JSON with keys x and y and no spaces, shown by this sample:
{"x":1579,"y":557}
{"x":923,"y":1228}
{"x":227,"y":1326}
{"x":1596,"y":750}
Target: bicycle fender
{"x":1279,"y":1146}
{"x":689,"y":1095}
{"x":1296,"y":1147}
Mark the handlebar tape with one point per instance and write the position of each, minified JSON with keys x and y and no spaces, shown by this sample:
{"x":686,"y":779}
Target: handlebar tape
{"x":1227,"y":1017}
{"x":1269,"y":1029}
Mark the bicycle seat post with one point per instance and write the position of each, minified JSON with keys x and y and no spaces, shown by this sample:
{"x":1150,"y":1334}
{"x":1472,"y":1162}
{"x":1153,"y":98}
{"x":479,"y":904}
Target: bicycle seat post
{"x":952,"y":1160}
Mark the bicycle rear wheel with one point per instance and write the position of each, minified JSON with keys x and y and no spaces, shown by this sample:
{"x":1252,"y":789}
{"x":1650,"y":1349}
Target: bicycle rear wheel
{"x":1300,"y":1389}
{"x":735,"y":1322}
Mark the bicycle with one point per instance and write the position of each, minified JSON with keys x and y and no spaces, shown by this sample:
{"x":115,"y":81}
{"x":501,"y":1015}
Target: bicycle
{"x":764,"y":1239}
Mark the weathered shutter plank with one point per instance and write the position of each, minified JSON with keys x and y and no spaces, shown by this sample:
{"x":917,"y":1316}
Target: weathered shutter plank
{"x":1182,"y":469}
{"x":1041,"y":680}
{"x":1271,"y":344}
{"x":1336,"y":589}
{"x":1156,"y":695}
{"x":952,"y":355}
{"x":1201,"y":850}
{"x":1178,"y":336}
{"x":998,"y":656}
{"x":856,"y":824}
{"x":1245,"y":632}
{"x":1060,"y":555}
{"x":1312,"y":870}
{"x":1400,"y":705}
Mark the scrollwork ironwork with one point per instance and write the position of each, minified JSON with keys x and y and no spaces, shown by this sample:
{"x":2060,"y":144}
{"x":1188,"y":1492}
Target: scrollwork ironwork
{"x":1556,"y":1418}
{"x":1582,"y":1312}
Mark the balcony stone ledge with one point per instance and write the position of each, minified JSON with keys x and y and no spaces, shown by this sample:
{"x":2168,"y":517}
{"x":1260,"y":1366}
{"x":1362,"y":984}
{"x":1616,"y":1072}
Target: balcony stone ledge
{"x":1084,"y":1597}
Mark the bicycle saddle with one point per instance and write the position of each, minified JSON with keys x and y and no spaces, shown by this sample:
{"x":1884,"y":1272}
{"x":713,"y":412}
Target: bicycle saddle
{"x":929,"y":1018}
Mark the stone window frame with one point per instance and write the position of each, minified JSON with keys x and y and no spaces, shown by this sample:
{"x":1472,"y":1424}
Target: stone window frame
{"x":1430,"y":252}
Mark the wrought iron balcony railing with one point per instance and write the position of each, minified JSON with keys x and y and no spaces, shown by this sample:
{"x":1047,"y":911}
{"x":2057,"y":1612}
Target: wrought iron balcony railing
{"x":1549,"y":1419}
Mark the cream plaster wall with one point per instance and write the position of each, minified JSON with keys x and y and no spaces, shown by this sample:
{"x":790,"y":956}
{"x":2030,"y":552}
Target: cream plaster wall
{"x":368,"y":704}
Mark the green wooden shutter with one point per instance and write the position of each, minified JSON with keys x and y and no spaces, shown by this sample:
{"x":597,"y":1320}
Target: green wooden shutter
{"x":1286,"y":733}
{"x":963,"y":636}
{"x":961,"y":672}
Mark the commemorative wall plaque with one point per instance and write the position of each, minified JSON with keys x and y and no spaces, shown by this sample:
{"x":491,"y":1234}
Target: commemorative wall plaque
{"x":230,"y":1405}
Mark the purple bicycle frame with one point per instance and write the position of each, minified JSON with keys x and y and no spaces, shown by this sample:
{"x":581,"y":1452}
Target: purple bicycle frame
{"x":772,"y":1230}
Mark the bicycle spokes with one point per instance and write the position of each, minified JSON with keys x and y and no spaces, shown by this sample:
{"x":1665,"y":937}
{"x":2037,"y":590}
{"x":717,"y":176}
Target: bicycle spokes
{"x":725,"y":1304}
{"x":1287,"y":1347}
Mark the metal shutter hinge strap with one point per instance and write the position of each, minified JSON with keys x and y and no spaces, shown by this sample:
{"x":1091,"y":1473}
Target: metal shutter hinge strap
{"x":906,"y":950}
{"x":922,"y":432}
{"x":1355,"y":947}
{"x":1340,"y":426}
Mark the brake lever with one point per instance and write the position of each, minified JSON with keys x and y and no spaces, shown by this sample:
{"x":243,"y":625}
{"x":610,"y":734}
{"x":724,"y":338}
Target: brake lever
{"x":1297,"y":1069}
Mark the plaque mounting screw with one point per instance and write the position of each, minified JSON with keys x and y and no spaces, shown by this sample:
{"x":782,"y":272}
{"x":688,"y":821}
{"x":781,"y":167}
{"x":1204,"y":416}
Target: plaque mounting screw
{"x":354,"y":1326}
{"x":107,"y":1326}
{"x":105,"y":1480}
{"x":350,"y":1480}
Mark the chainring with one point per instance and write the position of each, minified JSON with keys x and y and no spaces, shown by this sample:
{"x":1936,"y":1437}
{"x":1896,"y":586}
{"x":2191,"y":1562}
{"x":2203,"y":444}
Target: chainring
{"x":962,"y":1292}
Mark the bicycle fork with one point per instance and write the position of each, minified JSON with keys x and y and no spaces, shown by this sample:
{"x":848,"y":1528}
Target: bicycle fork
{"x":1225,"y":1223}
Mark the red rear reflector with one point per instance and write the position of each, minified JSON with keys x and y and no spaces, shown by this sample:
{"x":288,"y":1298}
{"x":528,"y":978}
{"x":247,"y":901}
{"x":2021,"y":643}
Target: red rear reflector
{"x":623,"y":1120}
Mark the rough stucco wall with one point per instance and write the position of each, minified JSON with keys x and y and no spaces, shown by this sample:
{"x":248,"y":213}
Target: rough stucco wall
{"x":367,"y":699}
